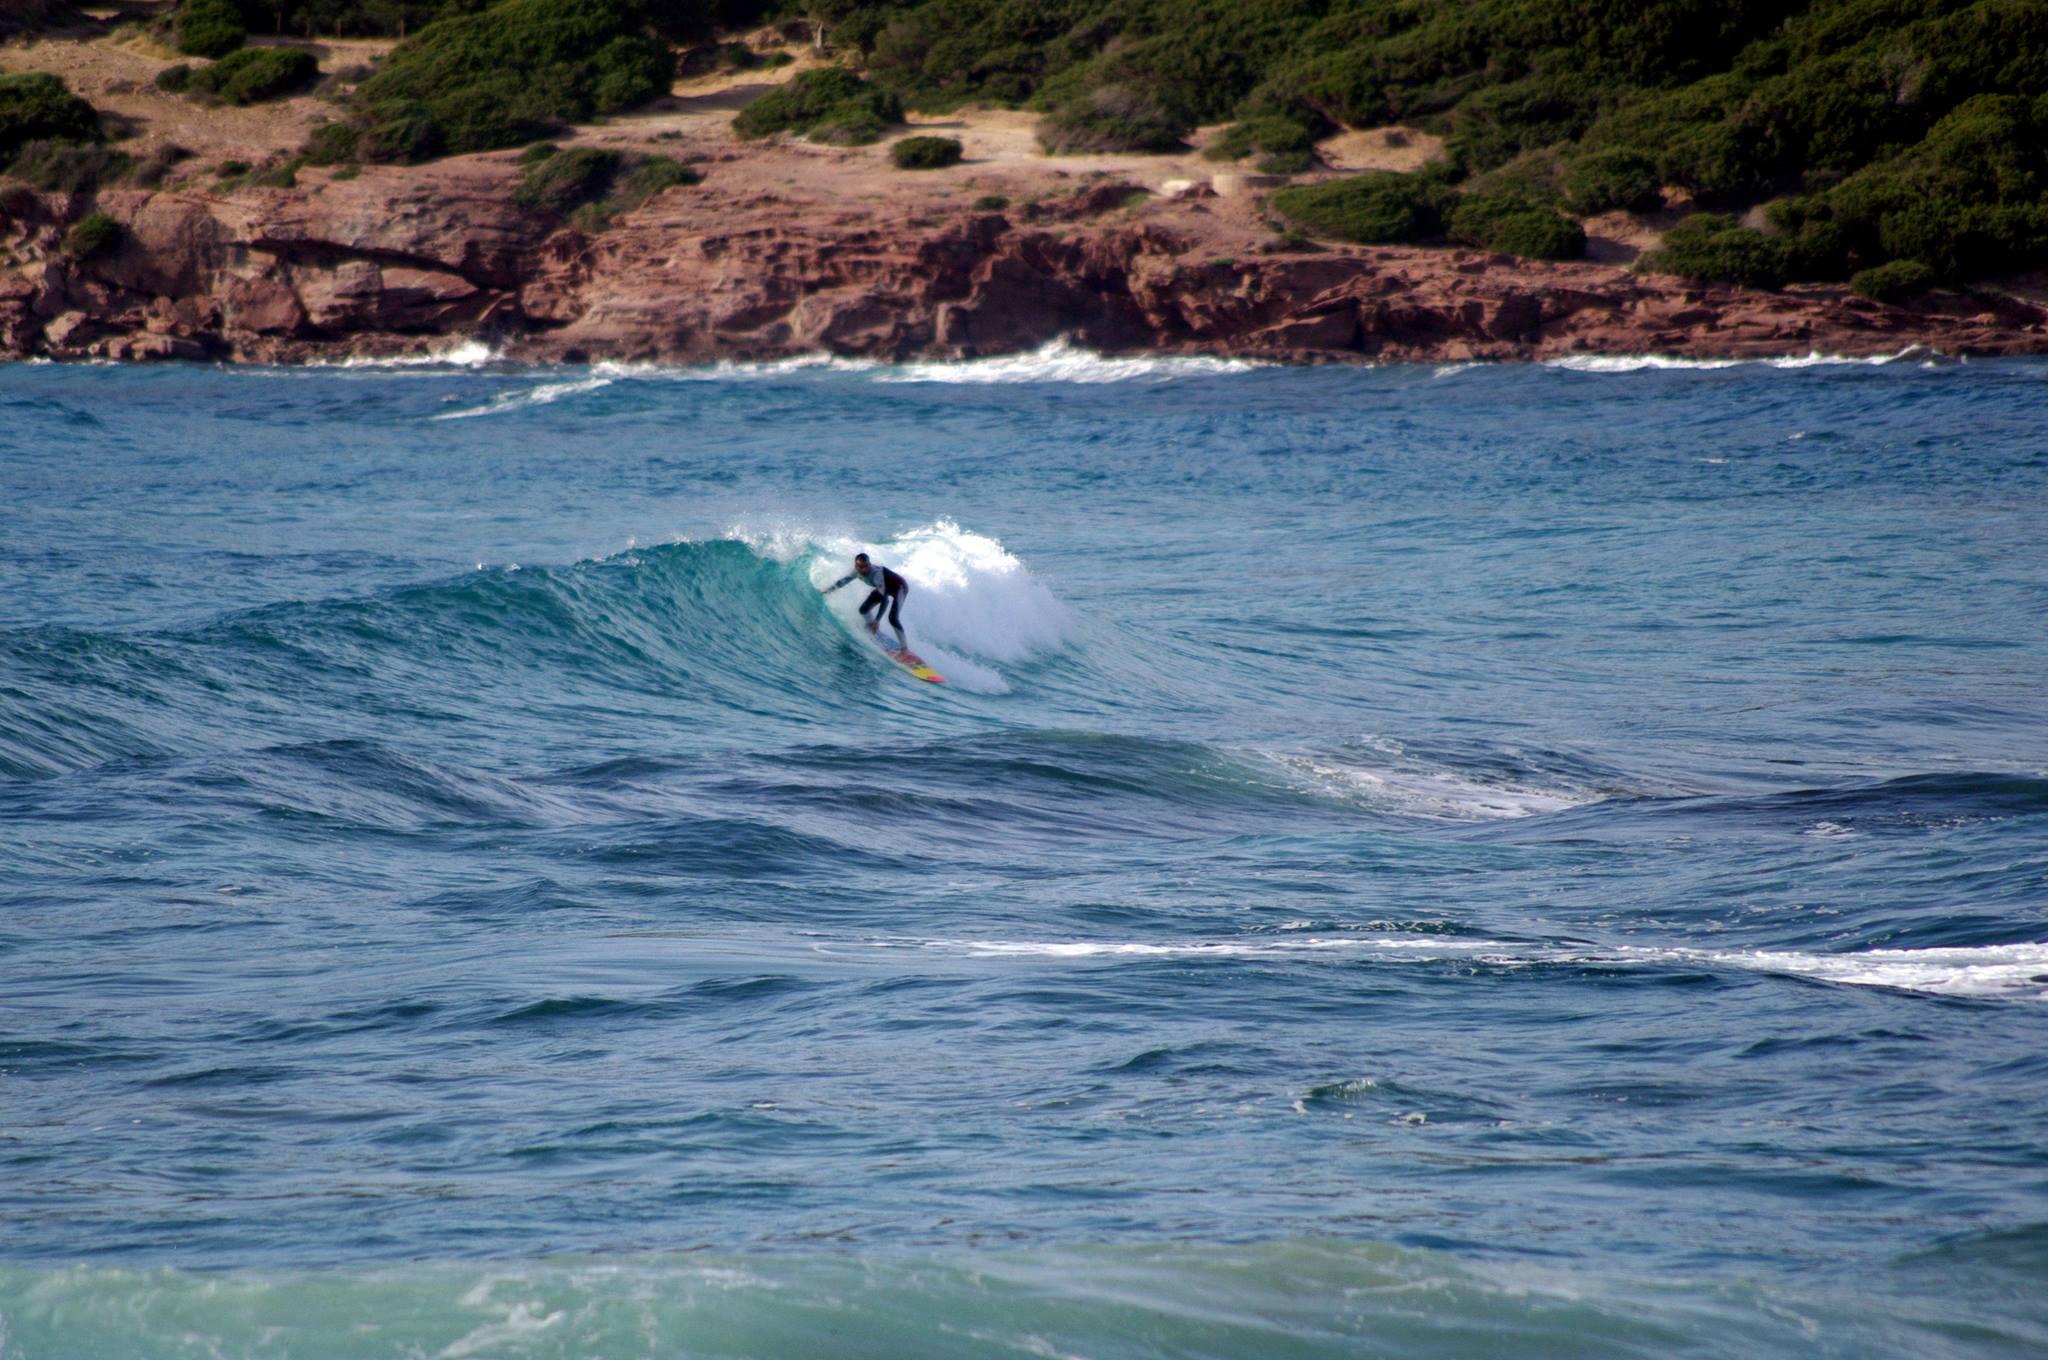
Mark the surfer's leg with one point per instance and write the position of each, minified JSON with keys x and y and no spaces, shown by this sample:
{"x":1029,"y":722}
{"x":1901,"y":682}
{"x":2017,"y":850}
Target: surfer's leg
{"x":896,"y":618}
{"x":875,"y":601}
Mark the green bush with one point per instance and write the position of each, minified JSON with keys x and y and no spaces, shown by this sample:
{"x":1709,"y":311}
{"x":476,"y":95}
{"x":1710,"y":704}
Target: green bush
{"x":68,"y":167}
{"x":95,"y":234}
{"x":590,"y":186}
{"x":508,"y":74}
{"x":650,"y":176}
{"x":1270,"y":134}
{"x":1716,"y":247}
{"x":1615,"y":178}
{"x":1737,"y":102}
{"x":1114,"y":118}
{"x":151,"y":170}
{"x":991,"y":203}
{"x":1514,"y":226}
{"x":36,"y":107}
{"x":566,"y":180}
{"x":1379,"y":209}
{"x":849,"y":125}
{"x":331,"y":144}
{"x":1495,"y":124}
{"x":925,"y":153}
{"x":1970,"y":199}
{"x":403,"y":135}
{"x":174,"y":79}
{"x":256,"y":73}
{"x":210,"y":28}
{"x":1890,"y":282}
{"x":832,"y":101}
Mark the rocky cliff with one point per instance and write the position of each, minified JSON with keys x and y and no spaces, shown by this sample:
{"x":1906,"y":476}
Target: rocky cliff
{"x":400,"y":260}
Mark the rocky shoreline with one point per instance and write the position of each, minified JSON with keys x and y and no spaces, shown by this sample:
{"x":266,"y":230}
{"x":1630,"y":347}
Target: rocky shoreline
{"x":394,"y":261}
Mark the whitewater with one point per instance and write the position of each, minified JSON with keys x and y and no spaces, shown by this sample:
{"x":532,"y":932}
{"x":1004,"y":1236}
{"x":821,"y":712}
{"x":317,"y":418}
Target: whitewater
{"x":1413,"y":861}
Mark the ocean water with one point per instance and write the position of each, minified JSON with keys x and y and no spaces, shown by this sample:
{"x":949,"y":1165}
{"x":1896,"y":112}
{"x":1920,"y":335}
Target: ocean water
{"x":1421,"y":862}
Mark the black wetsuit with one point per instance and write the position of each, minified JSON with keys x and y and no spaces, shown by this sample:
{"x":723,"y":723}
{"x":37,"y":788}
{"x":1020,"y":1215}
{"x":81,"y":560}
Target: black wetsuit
{"x":886,"y":597}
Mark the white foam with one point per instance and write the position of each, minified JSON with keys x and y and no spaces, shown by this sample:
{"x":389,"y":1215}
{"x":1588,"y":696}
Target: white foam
{"x":1062,"y":362}
{"x":735,"y":369}
{"x":543,"y":395}
{"x":1637,"y":363}
{"x":1633,"y":363}
{"x":1404,"y":784}
{"x":463,"y":354}
{"x":2011,"y":972}
{"x":971,"y":600}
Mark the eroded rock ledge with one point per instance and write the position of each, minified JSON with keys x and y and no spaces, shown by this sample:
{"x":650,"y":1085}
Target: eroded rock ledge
{"x":402,"y":260}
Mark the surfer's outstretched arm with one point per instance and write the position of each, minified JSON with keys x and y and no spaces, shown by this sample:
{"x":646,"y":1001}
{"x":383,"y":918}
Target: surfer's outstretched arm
{"x":838,"y":583}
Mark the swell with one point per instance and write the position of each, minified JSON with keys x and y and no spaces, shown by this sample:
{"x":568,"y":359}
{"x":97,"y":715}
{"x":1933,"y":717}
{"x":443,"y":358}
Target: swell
{"x":1308,"y":1298}
{"x":675,"y":632}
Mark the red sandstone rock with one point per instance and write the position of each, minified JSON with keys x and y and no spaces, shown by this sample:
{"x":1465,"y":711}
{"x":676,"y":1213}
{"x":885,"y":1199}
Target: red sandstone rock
{"x":397,"y":257}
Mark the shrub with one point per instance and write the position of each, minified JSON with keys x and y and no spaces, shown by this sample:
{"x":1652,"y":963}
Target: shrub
{"x":651,"y":176}
{"x":174,"y":79}
{"x":831,"y":100}
{"x":403,"y":135}
{"x":1534,"y":176}
{"x":1278,"y":137}
{"x":566,"y":180}
{"x":849,"y":125}
{"x":151,"y":170}
{"x":508,"y":74}
{"x":1890,"y":282}
{"x":35,"y":107}
{"x":1379,"y":209}
{"x":1515,"y":226}
{"x":1493,"y":125}
{"x":991,"y":203}
{"x":925,"y":153}
{"x":230,"y":169}
{"x":591,"y":186}
{"x":1715,"y":246}
{"x":1614,"y":178}
{"x":256,"y":73}
{"x":331,"y":144}
{"x":95,"y":234}
{"x":68,"y":167}
{"x":1114,"y":118}
{"x":1971,"y":199}
{"x":284,"y":175}
{"x":210,"y":28}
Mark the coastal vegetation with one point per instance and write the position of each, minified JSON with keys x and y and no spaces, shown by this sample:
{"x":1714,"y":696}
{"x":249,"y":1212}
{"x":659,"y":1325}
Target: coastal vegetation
{"x":925,"y":153}
{"x":93,"y":235}
{"x":245,"y":76}
{"x":1872,"y":130}
{"x":38,"y":107}
{"x":830,"y":104}
{"x":1812,"y":140}
{"x":590,"y":186}
{"x":503,"y":75}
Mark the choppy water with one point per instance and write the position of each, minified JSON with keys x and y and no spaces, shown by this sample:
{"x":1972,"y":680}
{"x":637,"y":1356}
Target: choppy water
{"x":1420,"y":862}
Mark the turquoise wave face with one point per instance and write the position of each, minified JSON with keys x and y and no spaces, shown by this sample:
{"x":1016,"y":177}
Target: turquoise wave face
{"x":1406,"y":861}
{"x":1298,"y":1300}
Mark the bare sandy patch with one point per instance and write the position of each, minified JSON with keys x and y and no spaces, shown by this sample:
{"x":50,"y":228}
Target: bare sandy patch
{"x":117,"y":75}
{"x":1383,"y":148}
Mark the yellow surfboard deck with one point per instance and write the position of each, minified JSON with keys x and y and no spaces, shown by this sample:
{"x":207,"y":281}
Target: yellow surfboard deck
{"x":913,"y":663}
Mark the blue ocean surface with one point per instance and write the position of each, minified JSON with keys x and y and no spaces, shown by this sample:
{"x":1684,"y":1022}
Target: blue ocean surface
{"x":1426,"y":862}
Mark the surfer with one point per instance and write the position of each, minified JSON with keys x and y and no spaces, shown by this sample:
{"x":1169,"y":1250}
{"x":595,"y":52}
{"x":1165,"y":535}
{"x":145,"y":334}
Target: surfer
{"x":886,"y":597}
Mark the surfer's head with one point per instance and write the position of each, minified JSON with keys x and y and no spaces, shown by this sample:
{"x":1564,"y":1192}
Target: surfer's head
{"x":860,"y":561}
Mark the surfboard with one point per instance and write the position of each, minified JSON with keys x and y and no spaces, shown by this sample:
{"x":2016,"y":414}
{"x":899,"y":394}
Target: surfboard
{"x":911,"y":662}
